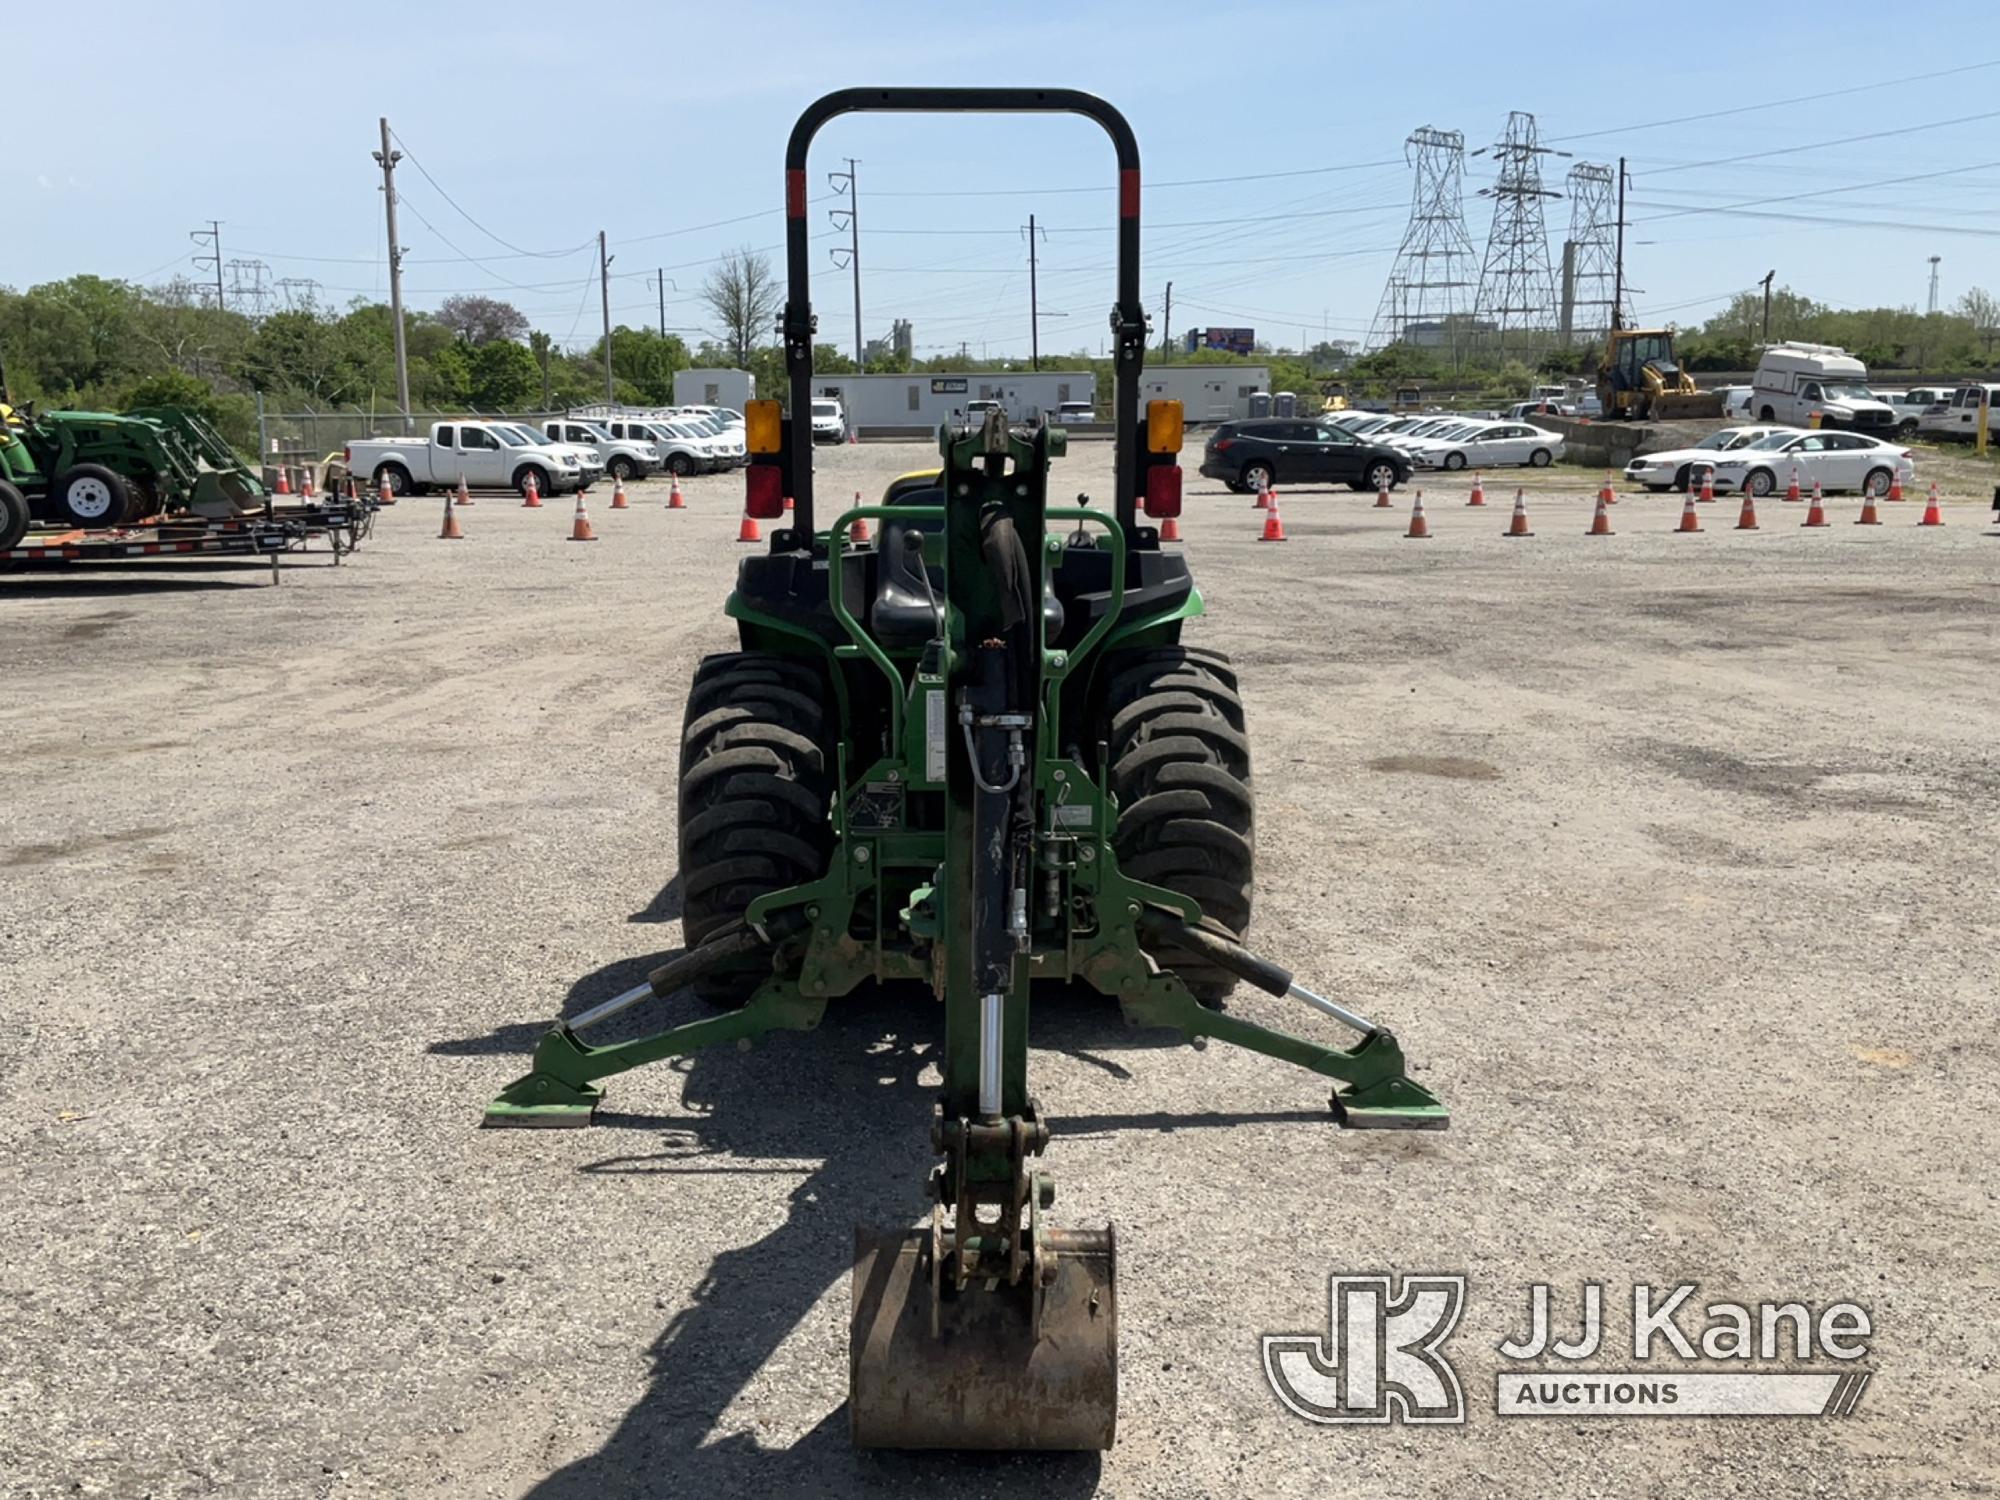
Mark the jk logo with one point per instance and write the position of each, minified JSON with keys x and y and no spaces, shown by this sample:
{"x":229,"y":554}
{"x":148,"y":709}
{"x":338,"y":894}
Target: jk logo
{"x":1379,"y":1360}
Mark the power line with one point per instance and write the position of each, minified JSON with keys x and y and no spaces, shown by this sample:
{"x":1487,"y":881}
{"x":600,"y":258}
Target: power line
{"x":1743,"y":109}
{"x":531,"y":254}
{"x":1873,"y":135}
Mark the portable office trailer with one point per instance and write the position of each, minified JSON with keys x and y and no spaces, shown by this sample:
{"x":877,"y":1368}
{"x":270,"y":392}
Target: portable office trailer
{"x":872,"y":402}
{"x":734,"y":389}
{"x":1207,"y":393}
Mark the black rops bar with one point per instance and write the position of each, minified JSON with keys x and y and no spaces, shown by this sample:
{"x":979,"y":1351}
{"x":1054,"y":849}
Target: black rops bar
{"x":1128,"y":321}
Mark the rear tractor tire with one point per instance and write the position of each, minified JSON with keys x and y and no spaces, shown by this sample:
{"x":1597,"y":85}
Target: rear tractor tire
{"x":14,"y":516}
{"x":756,"y":778}
{"x":1180,"y":769}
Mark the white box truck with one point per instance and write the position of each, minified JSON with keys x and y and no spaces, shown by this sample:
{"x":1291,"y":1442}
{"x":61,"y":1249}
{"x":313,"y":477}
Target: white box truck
{"x":1796,"y":382}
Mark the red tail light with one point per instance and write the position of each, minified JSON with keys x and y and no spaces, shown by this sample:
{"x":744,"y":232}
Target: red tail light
{"x":1223,"y":445}
{"x":1163,"y":491}
{"x":765,"y":498}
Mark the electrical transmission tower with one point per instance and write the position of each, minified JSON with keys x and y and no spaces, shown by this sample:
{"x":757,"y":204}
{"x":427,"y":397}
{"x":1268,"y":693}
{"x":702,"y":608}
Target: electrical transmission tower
{"x":1590,"y":255}
{"x":301,"y":293}
{"x":246,"y":284}
{"x":1934,"y":281}
{"x":1516,"y":288}
{"x":1432,"y":274}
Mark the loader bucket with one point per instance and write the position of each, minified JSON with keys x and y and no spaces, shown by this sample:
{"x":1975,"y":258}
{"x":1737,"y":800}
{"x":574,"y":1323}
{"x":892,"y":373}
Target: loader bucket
{"x":222,"y":495}
{"x":1673,"y":406}
{"x":991,"y":1370}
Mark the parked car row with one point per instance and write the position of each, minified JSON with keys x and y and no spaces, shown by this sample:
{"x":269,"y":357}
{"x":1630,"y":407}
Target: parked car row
{"x":1762,"y":459}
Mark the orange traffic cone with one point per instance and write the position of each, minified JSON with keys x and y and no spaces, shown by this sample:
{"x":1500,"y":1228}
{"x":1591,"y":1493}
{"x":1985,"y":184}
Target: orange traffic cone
{"x":383,"y":494}
{"x":1746,"y":518}
{"x":1690,"y":521}
{"x":1478,"y":495}
{"x":306,"y":488}
{"x":674,"y":500}
{"x":1263,"y":500}
{"x":1419,"y":527}
{"x":749,"y":531}
{"x":464,"y":494}
{"x":1171,"y":531}
{"x":1932,"y":515}
{"x":579,"y":529}
{"x":1791,"y":490}
{"x":284,"y":481}
{"x":1382,"y":497}
{"x":1600,"y":523}
{"x":1868,"y":515}
{"x":450,"y":533}
{"x":531,"y":495}
{"x":618,"y":500}
{"x":1707,"y":488}
{"x":1518,"y":525}
{"x":857,"y":534}
{"x":788,"y":502}
{"x":1605,"y":492}
{"x":1274,"y":527}
{"x":1816,"y":513}
{"x":1895,"y":489}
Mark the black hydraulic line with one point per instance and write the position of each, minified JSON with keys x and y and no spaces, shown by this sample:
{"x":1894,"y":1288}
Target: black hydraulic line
{"x":1160,"y":929}
{"x":1128,"y":320}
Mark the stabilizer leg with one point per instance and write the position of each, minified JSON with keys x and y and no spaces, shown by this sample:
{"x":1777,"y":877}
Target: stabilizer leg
{"x":559,"y":1091}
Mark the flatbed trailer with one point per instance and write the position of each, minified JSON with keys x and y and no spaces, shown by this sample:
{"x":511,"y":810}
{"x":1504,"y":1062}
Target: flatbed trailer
{"x":247,"y":537}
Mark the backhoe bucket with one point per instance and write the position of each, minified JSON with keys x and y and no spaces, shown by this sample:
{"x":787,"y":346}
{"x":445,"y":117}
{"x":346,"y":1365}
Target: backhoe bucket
{"x":992,"y":1369}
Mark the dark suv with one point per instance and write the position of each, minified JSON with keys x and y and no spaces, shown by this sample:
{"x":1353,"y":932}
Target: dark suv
{"x":1253,"y":455}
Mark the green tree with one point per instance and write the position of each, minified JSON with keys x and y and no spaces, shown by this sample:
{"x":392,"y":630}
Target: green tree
{"x":502,"y":376}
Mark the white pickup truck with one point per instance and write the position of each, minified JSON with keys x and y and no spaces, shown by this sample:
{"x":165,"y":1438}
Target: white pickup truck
{"x":494,"y":455}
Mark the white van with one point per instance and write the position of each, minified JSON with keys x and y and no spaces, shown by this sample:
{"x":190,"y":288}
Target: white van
{"x":1796,"y":382}
{"x":1956,"y":413}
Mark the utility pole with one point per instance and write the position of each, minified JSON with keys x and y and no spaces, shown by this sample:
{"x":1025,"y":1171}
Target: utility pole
{"x":1034,"y":305}
{"x":387,"y":160}
{"x":1167,"y":325}
{"x":844,"y":183}
{"x":604,"y":292}
{"x":213,"y":235}
{"x":1769,"y":277}
{"x":661,"y":276}
{"x":1618,"y":277}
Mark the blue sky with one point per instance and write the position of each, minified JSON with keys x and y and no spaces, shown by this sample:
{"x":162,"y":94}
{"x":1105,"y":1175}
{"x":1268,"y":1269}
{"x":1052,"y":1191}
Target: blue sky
{"x":660,"y":123}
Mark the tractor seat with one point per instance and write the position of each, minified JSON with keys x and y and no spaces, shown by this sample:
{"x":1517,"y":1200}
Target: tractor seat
{"x":900,"y":615}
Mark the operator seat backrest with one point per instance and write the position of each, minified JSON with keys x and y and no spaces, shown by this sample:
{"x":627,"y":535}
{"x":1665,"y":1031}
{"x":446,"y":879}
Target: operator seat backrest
{"x":900,"y":614}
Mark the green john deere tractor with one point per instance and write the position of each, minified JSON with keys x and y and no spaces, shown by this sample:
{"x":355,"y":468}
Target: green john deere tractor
{"x":974,"y":757}
{"x":88,"y":468}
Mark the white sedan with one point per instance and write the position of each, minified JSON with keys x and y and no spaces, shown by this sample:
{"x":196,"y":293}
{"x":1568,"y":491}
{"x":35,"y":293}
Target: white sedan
{"x":1488,"y":445}
{"x":1672,"y":469}
{"x":1410,"y":437}
{"x":1838,"y":460}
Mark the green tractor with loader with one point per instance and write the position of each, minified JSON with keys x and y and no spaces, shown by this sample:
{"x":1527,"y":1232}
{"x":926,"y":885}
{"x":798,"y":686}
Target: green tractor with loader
{"x":96,"y":469}
{"x":973,"y":758}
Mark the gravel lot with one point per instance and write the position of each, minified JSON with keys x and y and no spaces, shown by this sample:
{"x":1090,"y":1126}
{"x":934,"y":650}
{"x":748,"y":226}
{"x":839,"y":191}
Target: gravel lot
{"x":1671,"y":859}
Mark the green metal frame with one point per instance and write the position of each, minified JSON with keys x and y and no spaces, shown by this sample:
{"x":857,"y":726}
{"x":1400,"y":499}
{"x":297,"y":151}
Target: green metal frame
{"x":1075,"y":838}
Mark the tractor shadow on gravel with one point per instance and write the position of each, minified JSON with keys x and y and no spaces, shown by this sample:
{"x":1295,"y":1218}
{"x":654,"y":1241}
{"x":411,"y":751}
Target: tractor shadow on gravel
{"x":845,"y":1112}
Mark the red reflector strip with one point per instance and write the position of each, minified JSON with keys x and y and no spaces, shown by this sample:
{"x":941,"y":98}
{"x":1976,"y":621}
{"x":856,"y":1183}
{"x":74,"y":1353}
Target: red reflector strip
{"x":795,"y":194}
{"x":1163,"y":491}
{"x":1128,"y":193}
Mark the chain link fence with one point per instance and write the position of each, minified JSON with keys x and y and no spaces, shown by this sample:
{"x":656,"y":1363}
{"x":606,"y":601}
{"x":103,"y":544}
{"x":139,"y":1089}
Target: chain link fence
{"x":299,"y":438}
